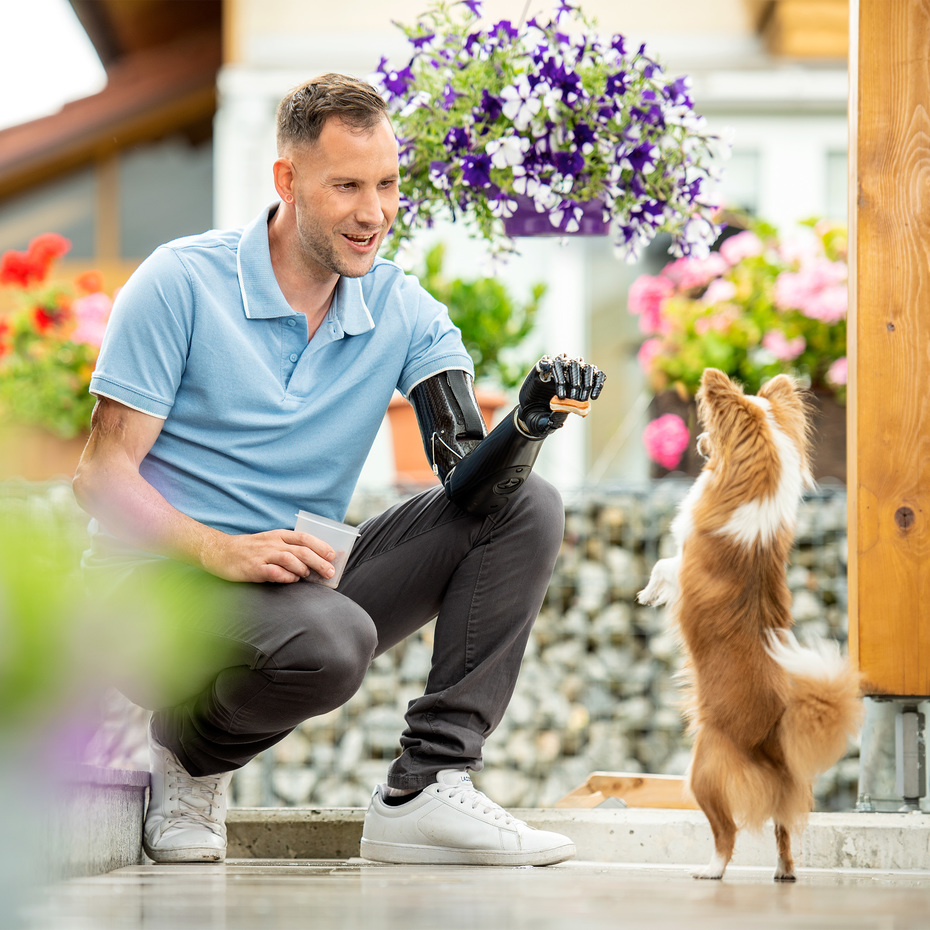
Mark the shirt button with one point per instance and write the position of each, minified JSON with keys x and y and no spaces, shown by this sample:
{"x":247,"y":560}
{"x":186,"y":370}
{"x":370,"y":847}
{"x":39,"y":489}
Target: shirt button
{"x":293,"y":358}
{"x":292,"y":322}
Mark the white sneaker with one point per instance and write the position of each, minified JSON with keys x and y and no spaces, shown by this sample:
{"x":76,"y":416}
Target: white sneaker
{"x":186,"y":816}
{"x":451,"y":822}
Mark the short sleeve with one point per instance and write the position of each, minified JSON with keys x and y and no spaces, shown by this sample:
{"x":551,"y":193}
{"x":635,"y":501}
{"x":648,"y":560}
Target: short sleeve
{"x":146,"y":343}
{"x":435,"y":341}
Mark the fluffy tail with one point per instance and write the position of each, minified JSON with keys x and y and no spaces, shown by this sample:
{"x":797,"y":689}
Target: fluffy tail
{"x":824,"y":705}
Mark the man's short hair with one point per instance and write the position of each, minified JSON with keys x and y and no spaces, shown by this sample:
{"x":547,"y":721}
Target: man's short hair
{"x":304,"y":110}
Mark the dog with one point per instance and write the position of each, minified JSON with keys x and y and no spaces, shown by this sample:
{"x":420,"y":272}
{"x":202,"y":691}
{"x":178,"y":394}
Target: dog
{"x":768,"y":715}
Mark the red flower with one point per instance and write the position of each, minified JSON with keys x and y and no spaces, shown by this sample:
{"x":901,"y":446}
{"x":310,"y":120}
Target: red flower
{"x":44,"y":319}
{"x":5,"y":343}
{"x":19,"y":268}
{"x":44,"y":249}
{"x":25,"y":268}
{"x":90,"y":282}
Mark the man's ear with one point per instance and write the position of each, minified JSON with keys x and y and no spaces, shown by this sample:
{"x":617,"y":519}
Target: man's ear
{"x":284,"y":178}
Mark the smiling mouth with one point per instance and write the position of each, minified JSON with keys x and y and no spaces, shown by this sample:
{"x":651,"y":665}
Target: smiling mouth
{"x":361,"y":240}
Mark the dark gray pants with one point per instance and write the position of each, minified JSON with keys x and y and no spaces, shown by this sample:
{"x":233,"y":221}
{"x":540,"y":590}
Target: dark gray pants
{"x":277,"y":654}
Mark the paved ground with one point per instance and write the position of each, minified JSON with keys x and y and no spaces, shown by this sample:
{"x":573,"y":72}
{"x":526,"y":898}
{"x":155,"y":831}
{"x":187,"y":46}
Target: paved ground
{"x":276,"y":894}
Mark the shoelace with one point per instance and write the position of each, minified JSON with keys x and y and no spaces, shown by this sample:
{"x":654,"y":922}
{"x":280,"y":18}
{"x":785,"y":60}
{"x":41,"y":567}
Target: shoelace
{"x":193,"y":799}
{"x":469,"y":795}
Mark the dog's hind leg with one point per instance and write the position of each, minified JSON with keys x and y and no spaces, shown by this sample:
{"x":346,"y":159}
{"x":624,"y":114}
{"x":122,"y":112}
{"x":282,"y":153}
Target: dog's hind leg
{"x":707,"y":788}
{"x":784,"y":872}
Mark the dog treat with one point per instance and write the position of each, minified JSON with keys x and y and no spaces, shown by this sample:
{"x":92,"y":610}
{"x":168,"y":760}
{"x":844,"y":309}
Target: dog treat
{"x":567,"y":405}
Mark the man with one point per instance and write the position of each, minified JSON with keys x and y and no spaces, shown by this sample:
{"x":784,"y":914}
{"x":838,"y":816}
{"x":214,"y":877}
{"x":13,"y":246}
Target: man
{"x":244,"y":376}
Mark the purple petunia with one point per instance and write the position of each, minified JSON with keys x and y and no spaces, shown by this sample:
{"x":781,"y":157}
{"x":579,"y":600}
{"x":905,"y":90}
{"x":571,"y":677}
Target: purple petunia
{"x":456,"y":139}
{"x":397,"y":82}
{"x":476,"y":170}
{"x":558,"y":115}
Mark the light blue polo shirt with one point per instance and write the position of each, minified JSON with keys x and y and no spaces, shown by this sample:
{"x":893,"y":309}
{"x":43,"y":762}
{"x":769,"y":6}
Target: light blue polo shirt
{"x":259,"y":422}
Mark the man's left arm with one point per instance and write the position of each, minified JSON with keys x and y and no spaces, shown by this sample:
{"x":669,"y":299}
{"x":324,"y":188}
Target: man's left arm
{"x":479,"y":472}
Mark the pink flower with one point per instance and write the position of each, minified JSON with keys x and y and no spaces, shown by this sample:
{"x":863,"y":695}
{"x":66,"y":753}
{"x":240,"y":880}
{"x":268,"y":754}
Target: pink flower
{"x":719,"y":291}
{"x":688,"y":273}
{"x":743,"y":245}
{"x":791,"y":290}
{"x":828,"y":305}
{"x":647,"y":353}
{"x":666,"y":439}
{"x":800,"y":249}
{"x":818,"y":290}
{"x":837,"y":372}
{"x":92,"y":313}
{"x":784,"y":349}
{"x":645,"y":298}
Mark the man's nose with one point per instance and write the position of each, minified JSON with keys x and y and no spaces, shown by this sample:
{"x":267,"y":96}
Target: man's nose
{"x":368,"y":210}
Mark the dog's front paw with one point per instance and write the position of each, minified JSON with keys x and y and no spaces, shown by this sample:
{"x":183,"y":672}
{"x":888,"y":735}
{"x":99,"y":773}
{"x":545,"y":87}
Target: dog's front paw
{"x":714,"y":869}
{"x":651,"y":595}
{"x":663,"y":584}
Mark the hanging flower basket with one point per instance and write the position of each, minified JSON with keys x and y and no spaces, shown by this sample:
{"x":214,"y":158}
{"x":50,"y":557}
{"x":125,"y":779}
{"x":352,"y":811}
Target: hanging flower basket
{"x":527,"y":220}
{"x":492,"y":118}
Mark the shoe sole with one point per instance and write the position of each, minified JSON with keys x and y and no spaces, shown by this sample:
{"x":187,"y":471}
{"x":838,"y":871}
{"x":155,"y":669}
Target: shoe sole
{"x":409,"y":854}
{"x":185,"y":854}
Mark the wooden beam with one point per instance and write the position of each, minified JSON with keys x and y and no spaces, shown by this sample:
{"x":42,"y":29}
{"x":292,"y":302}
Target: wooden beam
{"x":802,"y":28}
{"x":662,"y":791}
{"x":889,"y":345}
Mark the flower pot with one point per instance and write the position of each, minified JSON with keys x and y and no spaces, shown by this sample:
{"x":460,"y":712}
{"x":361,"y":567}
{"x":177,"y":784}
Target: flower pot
{"x":34,"y":454}
{"x":527,"y":221}
{"x":828,"y":416}
{"x":411,"y":468}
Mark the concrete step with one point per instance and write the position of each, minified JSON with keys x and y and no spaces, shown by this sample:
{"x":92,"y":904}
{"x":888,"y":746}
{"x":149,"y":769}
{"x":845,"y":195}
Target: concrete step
{"x":94,"y":821}
{"x":885,"y":841}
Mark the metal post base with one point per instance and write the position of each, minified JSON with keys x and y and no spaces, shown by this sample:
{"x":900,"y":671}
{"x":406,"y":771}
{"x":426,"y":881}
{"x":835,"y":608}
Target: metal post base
{"x":893,"y":756}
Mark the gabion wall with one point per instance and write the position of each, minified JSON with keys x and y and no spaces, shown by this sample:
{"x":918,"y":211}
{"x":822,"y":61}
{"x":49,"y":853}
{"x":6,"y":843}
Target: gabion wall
{"x":597,"y":689}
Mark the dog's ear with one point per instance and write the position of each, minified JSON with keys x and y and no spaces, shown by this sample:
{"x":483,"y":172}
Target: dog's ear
{"x":715,"y":387}
{"x":791,"y":407}
{"x":722,"y":406}
{"x":781,"y":388}
{"x":789,"y":400}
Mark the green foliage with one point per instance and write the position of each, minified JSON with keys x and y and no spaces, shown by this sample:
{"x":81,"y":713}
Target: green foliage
{"x":491,"y":321}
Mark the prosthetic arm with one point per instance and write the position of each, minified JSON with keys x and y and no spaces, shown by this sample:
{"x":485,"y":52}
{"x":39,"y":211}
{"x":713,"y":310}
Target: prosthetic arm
{"x":481,"y":472}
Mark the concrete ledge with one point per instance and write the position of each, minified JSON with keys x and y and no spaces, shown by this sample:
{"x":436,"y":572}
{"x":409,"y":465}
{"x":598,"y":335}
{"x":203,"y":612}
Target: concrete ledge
{"x":94,"y":821}
{"x":635,"y":835}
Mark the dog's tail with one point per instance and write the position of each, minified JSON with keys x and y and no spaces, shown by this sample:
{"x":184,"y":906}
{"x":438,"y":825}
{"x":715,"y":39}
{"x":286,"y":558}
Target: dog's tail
{"x":824,"y":704}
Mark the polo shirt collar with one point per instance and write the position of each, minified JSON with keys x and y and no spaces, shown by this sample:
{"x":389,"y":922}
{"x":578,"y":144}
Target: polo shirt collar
{"x":262,"y":298}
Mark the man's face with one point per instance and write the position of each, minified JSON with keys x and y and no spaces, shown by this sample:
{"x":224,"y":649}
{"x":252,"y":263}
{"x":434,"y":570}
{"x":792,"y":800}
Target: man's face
{"x":345,"y":196}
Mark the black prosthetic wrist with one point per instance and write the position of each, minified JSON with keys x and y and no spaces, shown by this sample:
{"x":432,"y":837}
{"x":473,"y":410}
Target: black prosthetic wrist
{"x":483,"y":482}
{"x":480,"y":473}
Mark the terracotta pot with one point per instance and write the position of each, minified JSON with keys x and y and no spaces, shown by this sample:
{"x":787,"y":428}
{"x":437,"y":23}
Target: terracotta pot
{"x":411,"y":467}
{"x":528,"y":222}
{"x":34,"y":454}
{"x":828,"y":459}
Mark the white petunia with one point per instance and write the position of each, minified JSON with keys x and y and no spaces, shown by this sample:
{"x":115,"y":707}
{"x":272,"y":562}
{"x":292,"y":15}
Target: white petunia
{"x":508,"y":151}
{"x":520,"y":103}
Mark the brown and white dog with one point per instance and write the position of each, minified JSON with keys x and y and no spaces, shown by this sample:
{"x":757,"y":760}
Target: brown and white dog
{"x":768,"y":715}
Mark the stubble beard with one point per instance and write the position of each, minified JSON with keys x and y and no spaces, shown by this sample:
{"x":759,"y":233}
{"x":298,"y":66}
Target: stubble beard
{"x":318,"y":251}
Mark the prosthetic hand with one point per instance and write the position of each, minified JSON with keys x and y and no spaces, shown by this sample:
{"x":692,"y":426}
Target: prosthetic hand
{"x":555,"y":388}
{"x":481,"y":473}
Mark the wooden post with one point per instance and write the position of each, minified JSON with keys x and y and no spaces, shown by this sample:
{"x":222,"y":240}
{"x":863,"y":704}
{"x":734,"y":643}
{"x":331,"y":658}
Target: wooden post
{"x":889,"y":345}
